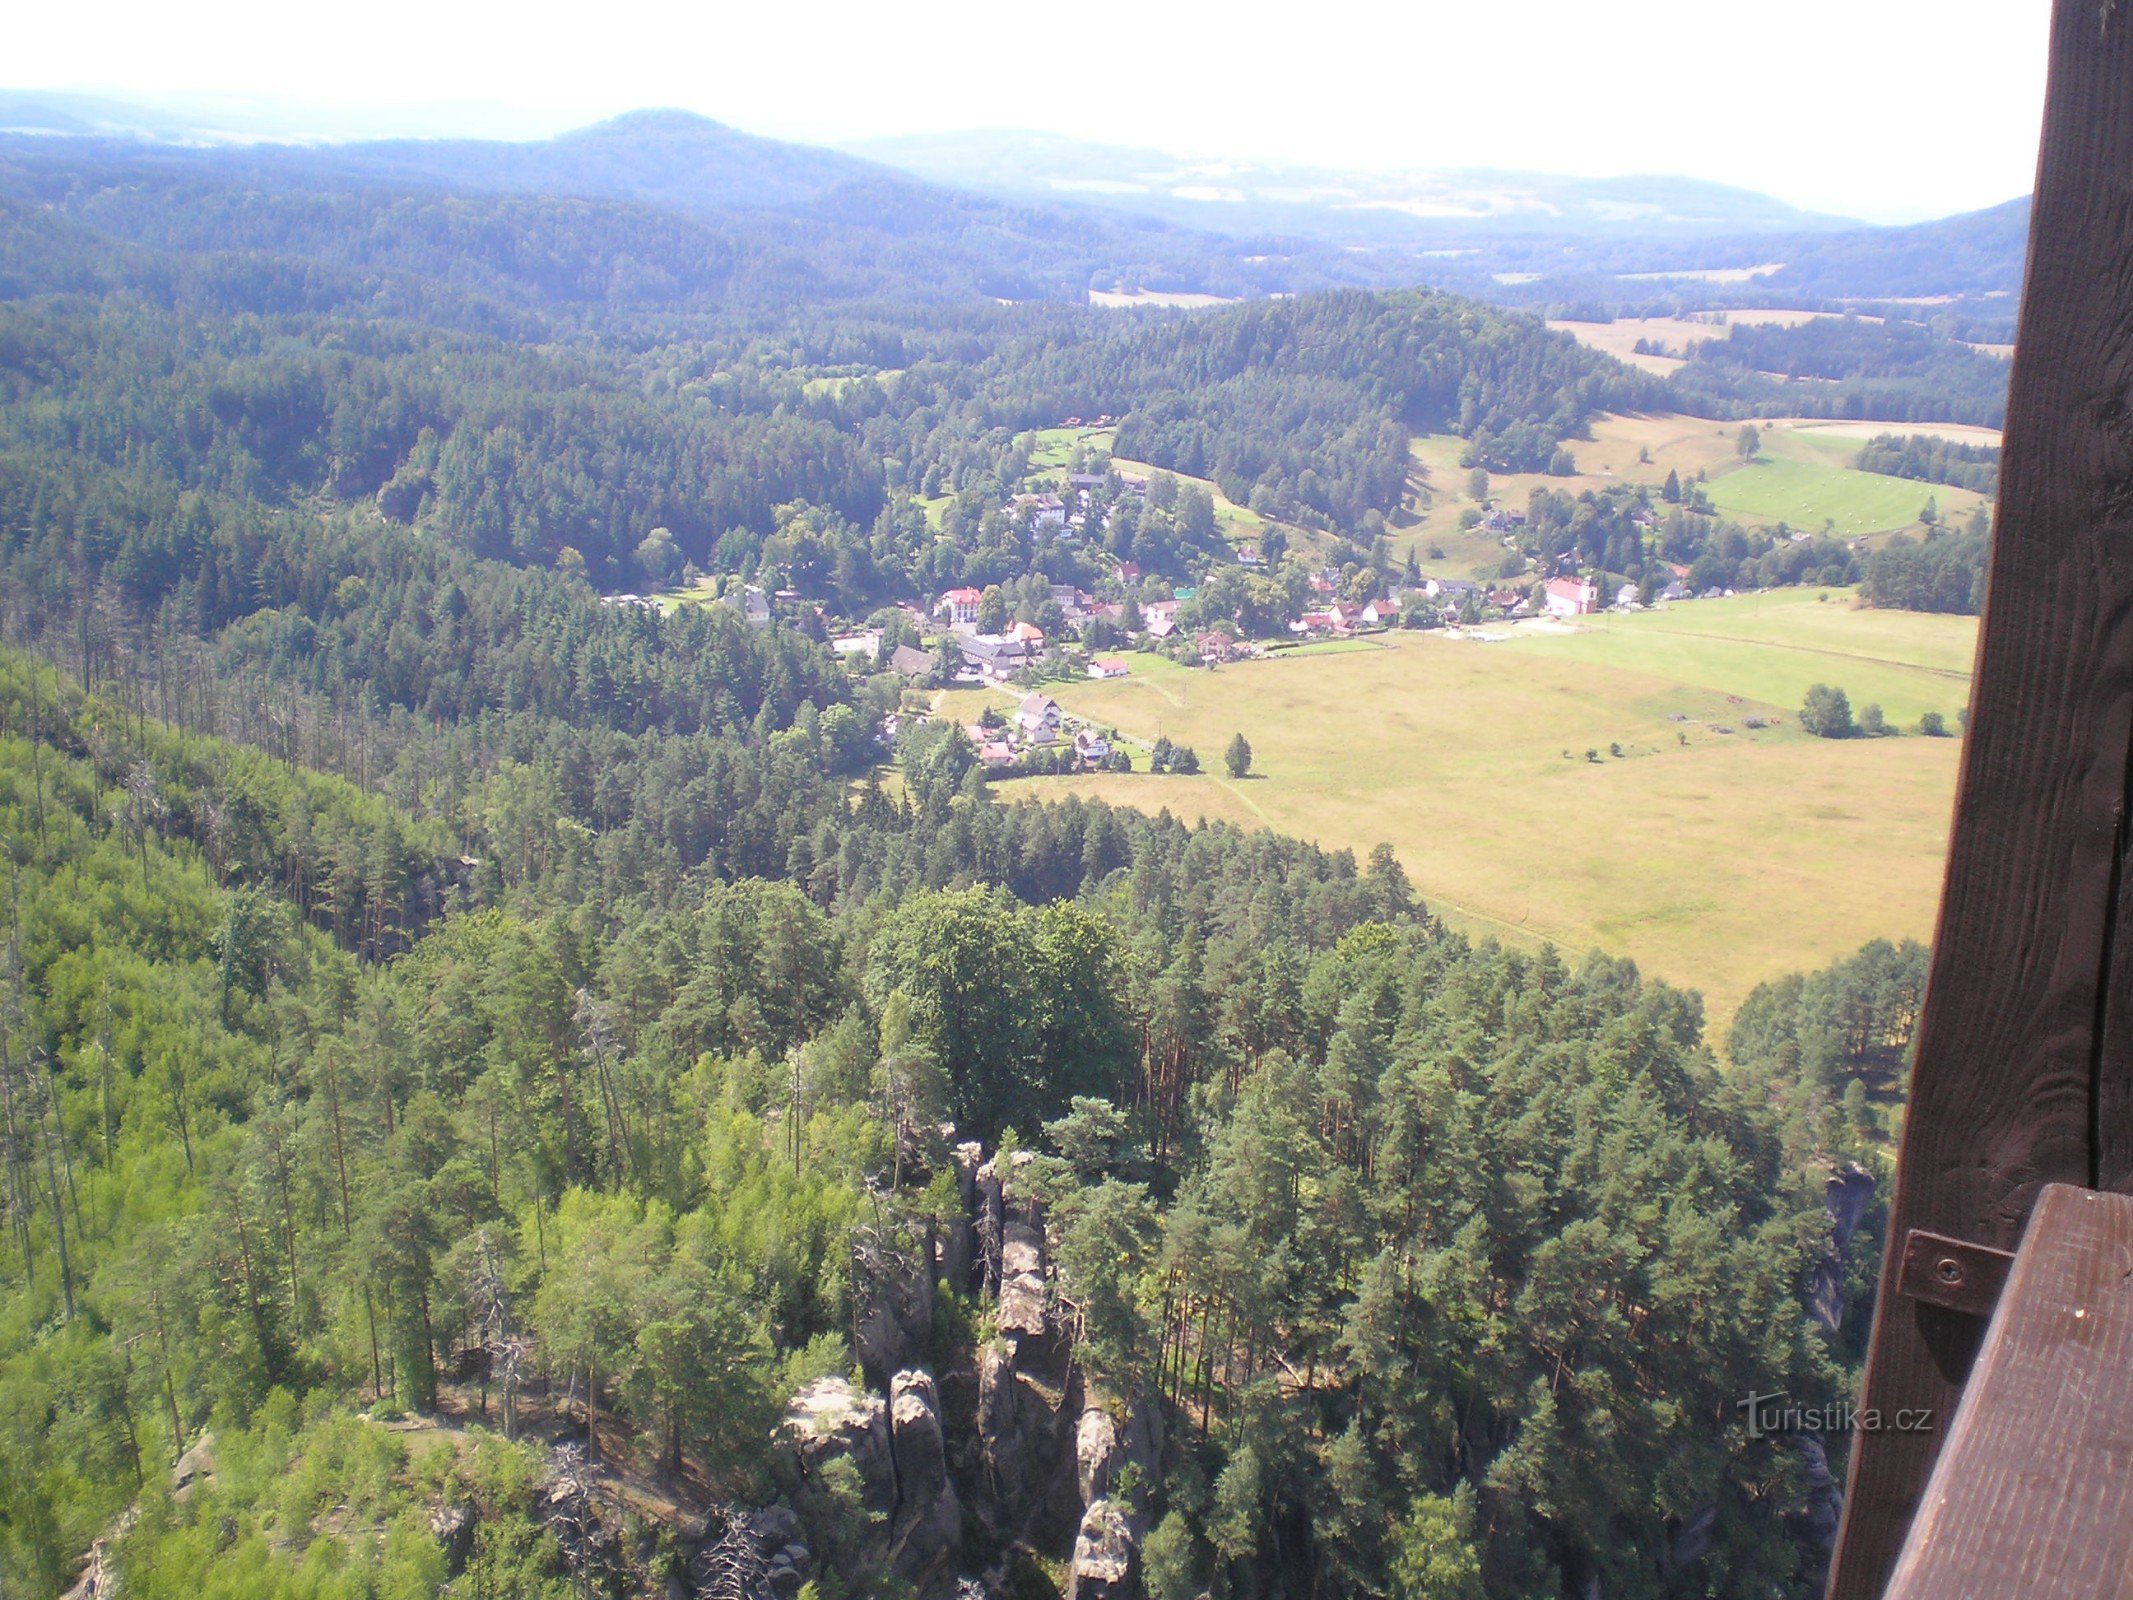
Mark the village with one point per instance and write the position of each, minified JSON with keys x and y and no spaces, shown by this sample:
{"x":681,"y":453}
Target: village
{"x":957,"y":649}
{"x":1126,"y":536}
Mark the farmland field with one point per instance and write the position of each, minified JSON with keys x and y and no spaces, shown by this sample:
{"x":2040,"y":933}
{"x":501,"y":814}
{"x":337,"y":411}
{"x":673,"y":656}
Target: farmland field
{"x":1619,"y":338}
{"x":1807,"y":494}
{"x":1954,"y":432}
{"x":1716,"y":859}
{"x":1804,"y":478}
{"x":1054,"y":447}
{"x":1127,"y":300}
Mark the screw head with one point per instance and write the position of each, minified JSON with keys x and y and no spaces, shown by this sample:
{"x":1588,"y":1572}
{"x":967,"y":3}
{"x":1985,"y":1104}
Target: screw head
{"x":1948,"y":1270}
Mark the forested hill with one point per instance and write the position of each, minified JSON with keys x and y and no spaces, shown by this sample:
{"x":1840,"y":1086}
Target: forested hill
{"x":1427,"y":1253}
{"x":1218,"y":396}
{"x":672,"y":159}
{"x":524,"y":375}
{"x":1979,"y":253}
{"x":823,"y":226}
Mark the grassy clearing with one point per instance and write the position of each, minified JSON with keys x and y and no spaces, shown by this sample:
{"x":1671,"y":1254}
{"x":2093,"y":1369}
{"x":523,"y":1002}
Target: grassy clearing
{"x":836,"y":384}
{"x":703,"y":592}
{"x":1623,"y":449}
{"x":1709,"y":274}
{"x":1807,"y":494}
{"x":1055,"y":446}
{"x":1805,"y":477}
{"x":1328,"y":647}
{"x":1767,"y":650}
{"x":1715,"y":860}
{"x":1155,"y":297}
{"x":1619,"y":338}
{"x":1859,"y":432}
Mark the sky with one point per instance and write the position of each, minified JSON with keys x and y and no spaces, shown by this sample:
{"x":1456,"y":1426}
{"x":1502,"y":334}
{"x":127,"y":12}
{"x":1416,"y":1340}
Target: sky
{"x":1890,"y":110}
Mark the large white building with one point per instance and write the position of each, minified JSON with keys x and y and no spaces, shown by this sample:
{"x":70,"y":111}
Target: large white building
{"x":1572,"y":597}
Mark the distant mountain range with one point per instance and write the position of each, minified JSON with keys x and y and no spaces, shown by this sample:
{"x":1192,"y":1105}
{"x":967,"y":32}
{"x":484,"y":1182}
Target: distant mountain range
{"x":1022,"y":216}
{"x":1337,"y":206}
{"x":803,"y":222}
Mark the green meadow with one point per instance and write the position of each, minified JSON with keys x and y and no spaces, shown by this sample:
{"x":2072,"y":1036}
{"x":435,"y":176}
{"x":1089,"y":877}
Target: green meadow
{"x":1597,"y":787}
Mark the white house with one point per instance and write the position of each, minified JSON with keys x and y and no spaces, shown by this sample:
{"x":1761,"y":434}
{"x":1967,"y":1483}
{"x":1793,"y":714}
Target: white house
{"x":1038,"y":718}
{"x":958,"y":605}
{"x":1039,"y":510}
{"x":1572,"y":597}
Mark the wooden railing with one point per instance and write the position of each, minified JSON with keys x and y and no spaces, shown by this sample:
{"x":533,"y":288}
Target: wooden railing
{"x":2024,"y":1072}
{"x":2033,"y":1490}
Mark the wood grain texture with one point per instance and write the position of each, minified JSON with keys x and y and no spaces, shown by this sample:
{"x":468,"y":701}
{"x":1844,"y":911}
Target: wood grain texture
{"x":2033,"y":1493}
{"x":2024,"y":1073}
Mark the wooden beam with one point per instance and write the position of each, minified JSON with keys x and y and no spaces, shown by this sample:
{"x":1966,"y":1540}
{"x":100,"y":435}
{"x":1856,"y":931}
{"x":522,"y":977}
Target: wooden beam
{"x":2033,"y":1496}
{"x":2024,"y":1073}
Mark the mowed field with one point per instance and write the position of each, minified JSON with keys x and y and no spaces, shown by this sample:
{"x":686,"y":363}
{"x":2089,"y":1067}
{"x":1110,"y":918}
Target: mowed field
{"x":1128,"y":300}
{"x":1619,"y":338}
{"x":1808,"y":494}
{"x":1054,"y":447}
{"x":1715,"y":859}
{"x":1803,"y":478}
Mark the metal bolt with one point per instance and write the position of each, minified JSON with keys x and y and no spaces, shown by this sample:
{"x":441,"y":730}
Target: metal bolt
{"x":1949,"y":1271}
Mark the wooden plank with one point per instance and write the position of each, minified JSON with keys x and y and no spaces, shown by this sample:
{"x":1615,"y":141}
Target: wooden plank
{"x":2033,"y":1493}
{"x":2024,"y":1072}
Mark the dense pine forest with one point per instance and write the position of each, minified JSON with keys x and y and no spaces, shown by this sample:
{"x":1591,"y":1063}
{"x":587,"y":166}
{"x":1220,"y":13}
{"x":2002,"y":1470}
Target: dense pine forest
{"x":508,"y":1093}
{"x":1422,"y":1251}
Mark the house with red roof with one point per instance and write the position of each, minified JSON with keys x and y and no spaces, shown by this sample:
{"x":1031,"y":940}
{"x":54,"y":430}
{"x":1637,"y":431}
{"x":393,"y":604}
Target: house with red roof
{"x":1381,"y":614}
{"x":1572,"y":597}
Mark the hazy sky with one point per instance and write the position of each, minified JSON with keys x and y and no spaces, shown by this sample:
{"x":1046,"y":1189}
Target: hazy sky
{"x":1889,"y":109}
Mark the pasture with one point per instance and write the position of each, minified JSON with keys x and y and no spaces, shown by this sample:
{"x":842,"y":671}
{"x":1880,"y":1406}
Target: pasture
{"x":1053,"y":448}
{"x":1128,"y":300}
{"x":1804,"y":478}
{"x":1619,"y":337}
{"x":1860,"y":432}
{"x":1715,"y":858}
{"x":1807,"y":494}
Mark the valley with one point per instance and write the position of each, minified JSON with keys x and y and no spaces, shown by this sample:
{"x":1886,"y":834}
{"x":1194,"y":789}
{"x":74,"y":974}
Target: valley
{"x":1717,"y":855}
{"x":990,"y":867}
